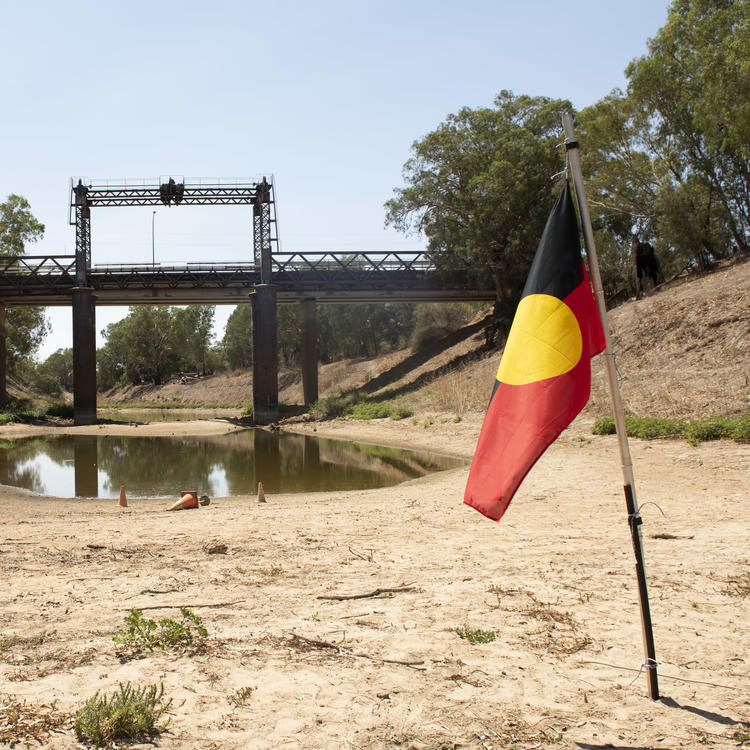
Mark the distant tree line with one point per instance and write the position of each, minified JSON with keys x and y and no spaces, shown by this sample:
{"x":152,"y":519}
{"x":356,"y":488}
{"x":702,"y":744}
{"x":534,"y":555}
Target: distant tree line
{"x":156,"y":344}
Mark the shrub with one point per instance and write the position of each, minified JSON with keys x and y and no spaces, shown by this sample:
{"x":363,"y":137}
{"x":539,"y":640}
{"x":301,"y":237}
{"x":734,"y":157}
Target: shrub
{"x":130,"y":712}
{"x":45,"y":384}
{"x":61,"y":411}
{"x":401,"y":412}
{"x":649,"y":428}
{"x":335,"y":405}
{"x":695,"y":431}
{"x":740,"y":428}
{"x":476,"y":635}
{"x":369,"y":410}
{"x":701,"y":430}
{"x":143,"y":634}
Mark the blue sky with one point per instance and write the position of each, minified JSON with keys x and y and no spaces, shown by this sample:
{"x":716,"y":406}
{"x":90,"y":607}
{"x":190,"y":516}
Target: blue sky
{"x":326,"y":96}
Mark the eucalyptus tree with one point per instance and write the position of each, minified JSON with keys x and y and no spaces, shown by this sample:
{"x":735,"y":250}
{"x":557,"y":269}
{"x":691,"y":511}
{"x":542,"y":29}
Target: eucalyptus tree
{"x":26,"y":327}
{"x":479,"y":189}
{"x":668,"y":158}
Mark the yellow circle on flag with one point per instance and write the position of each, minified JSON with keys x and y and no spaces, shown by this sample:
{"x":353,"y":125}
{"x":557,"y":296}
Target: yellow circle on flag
{"x":544,"y":341}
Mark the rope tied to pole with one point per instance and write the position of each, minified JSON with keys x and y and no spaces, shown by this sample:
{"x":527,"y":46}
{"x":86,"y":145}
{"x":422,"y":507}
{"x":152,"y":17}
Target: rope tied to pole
{"x":620,"y":378}
{"x":648,"y":664}
{"x":635,"y":518}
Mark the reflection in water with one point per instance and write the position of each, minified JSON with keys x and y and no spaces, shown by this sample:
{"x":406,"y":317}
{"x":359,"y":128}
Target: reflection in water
{"x":85,"y":465}
{"x":217,"y":465}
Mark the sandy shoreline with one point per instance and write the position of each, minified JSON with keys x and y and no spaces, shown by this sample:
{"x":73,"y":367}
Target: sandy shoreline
{"x":554,"y":580}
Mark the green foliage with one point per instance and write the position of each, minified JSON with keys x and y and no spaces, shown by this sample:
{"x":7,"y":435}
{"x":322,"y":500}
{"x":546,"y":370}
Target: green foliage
{"x":237,"y":344}
{"x":248,"y":410}
{"x":695,"y":431}
{"x":369,"y":410}
{"x":357,"y":406}
{"x":668,"y":159}
{"x":143,"y":634}
{"x":153,"y":344}
{"x":18,"y":226}
{"x":604,"y":426}
{"x":349,"y":331}
{"x":59,"y":366}
{"x":433,"y":321}
{"x":23,"y":413}
{"x":26,"y":327}
{"x":335,"y":405}
{"x":478,"y":187}
{"x":45,"y":385}
{"x":476,"y":635}
{"x":401,"y":412}
{"x":131,"y":712}
{"x":190,"y":334}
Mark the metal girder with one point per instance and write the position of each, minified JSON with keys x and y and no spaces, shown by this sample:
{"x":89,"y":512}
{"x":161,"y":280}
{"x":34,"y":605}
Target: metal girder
{"x":191,"y":194}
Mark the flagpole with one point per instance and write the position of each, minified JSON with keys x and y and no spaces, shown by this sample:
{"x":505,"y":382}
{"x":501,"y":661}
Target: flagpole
{"x":634,"y":518}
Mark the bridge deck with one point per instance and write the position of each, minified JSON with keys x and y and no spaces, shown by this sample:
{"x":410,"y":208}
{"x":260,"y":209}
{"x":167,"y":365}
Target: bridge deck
{"x":327,"y":277}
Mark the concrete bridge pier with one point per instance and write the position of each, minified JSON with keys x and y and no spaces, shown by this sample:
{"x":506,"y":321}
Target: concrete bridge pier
{"x":309,"y":350}
{"x":3,"y":359}
{"x":84,"y":356}
{"x":265,"y":355}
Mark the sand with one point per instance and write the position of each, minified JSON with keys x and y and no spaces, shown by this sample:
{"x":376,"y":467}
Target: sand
{"x":290,"y":663}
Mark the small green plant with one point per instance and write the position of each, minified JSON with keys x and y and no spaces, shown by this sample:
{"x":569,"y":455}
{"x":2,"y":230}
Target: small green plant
{"x":131,"y":712}
{"x":457,"y":419}
{"x":476,"y":635}
{"x":143,"y":634}
{"x":248,"y":410}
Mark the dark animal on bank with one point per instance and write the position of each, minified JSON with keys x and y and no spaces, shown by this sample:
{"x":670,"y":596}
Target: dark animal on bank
{"x":647,"y":271}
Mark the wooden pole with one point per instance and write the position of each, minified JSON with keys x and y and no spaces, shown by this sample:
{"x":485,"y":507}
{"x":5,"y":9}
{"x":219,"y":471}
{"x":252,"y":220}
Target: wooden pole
{"x":634,"y":518}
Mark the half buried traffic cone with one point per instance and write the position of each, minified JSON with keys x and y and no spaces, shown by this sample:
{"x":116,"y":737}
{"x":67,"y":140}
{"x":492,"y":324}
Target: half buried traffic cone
{"x":261,"y":494}
{"x":123,"y":500}
{"x":188,"y":499}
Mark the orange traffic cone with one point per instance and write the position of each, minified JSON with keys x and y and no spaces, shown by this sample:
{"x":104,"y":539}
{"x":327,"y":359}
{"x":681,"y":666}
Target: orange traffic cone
{"x":261,"y":494}
{"x":123,"y":499}
{"x":188,"y":499}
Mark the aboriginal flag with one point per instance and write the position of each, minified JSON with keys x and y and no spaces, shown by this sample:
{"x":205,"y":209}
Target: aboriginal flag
{"x":544,"y":378}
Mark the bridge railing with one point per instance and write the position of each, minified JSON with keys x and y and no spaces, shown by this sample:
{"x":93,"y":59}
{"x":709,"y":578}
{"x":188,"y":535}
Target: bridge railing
{"x":354,"y":262}
{"x":34,"y":267}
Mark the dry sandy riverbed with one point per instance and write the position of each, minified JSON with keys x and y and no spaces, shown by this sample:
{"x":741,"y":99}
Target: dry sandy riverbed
{"x":554,"y":580}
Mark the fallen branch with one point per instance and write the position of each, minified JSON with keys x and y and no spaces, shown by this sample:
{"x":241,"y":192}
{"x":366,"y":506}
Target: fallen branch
{"x":344,"y":651}
{"x":184,"y":606}
{"x":377,"y":592}
{"x":367,"y":558}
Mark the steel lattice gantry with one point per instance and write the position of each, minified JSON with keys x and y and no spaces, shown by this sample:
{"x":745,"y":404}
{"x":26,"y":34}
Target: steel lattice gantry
{"x":86,"y":195}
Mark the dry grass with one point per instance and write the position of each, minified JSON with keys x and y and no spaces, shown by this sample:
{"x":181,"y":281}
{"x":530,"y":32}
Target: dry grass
{"x":21,"y":722}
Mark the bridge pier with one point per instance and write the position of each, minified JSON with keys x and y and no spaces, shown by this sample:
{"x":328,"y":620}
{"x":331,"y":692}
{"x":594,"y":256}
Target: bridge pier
{"x":3,"y":359}
{"x":309,"y":350}
{"x":84,"y":356}
{"x":265,"y":355}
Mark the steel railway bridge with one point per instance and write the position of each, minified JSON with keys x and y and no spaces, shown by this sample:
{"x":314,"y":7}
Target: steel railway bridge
{"x":270,"y":278}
